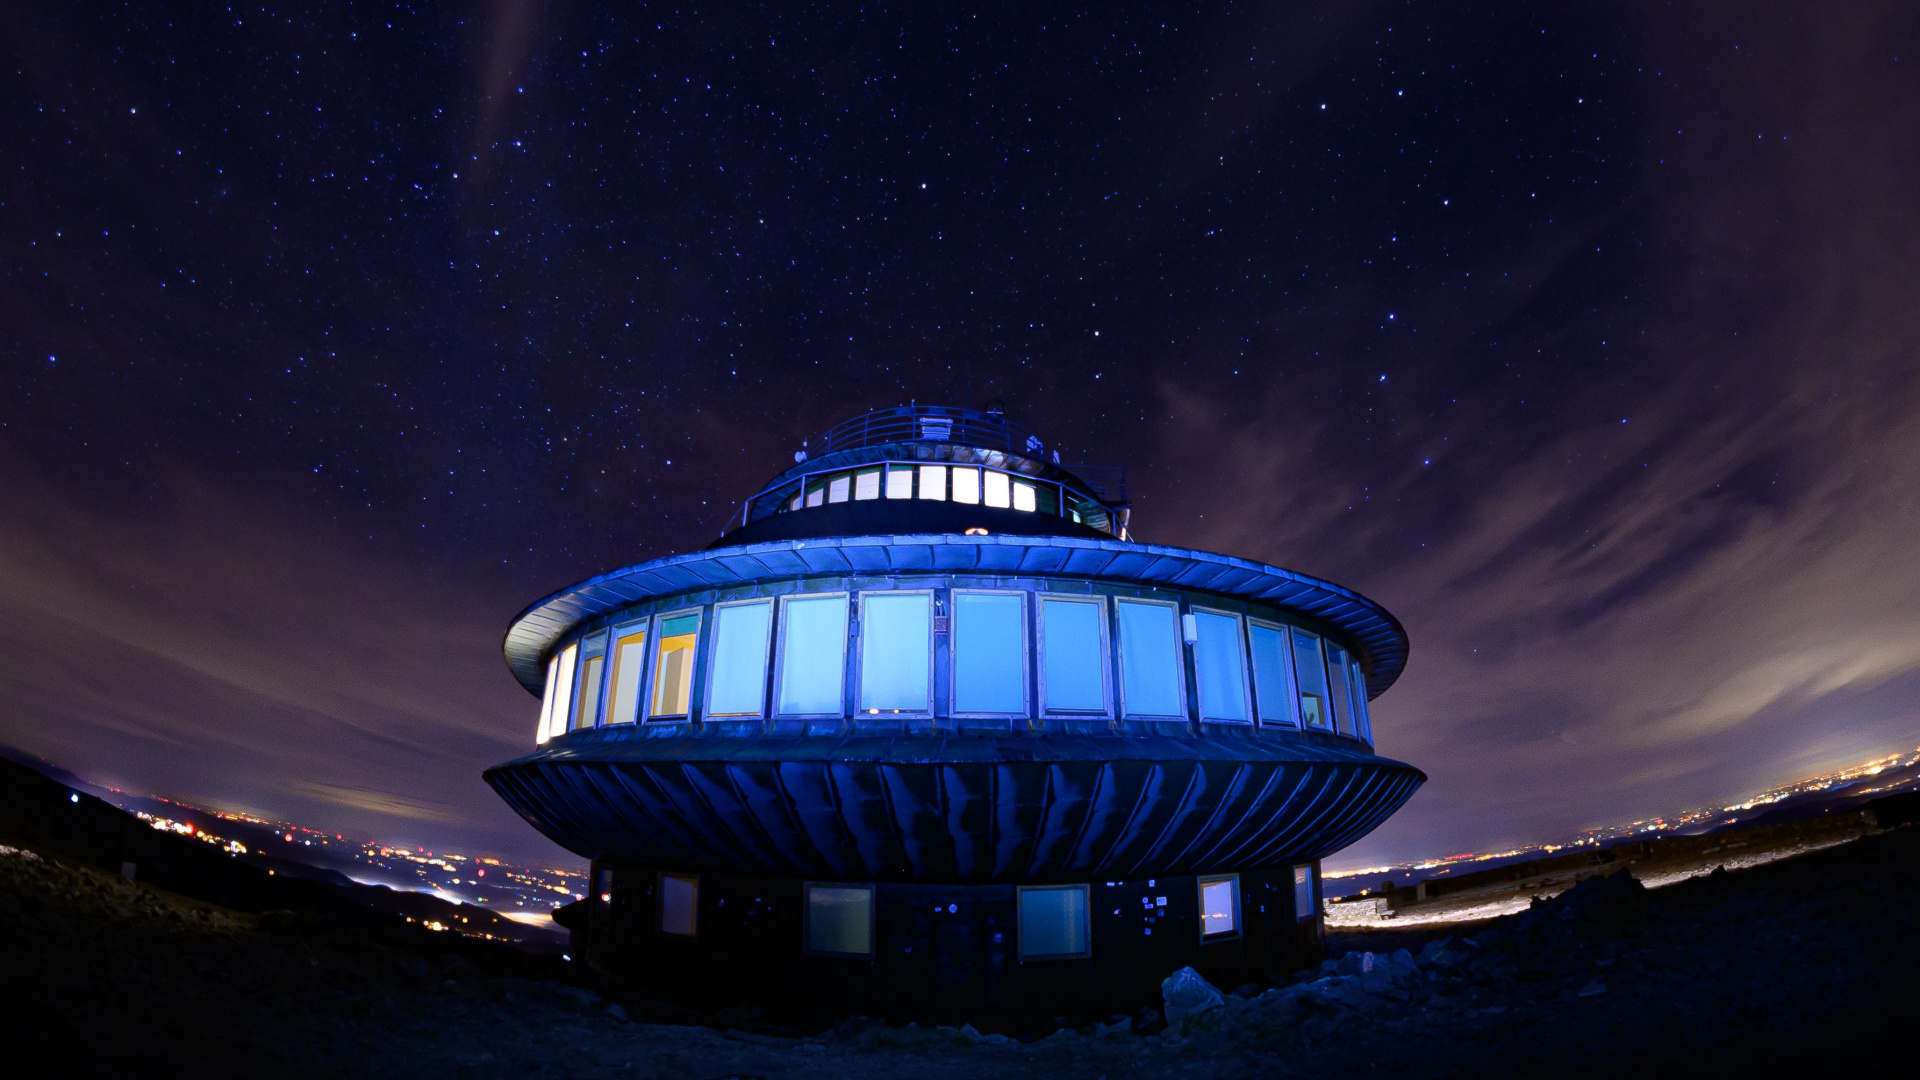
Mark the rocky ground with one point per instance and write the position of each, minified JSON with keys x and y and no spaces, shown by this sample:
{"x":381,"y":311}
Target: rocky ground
{"x":1806,"y":963}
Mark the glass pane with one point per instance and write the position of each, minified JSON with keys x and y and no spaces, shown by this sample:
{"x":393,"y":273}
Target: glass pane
{"x":866,"y":485}
{"x":812,"y":652}
{"x":740,"y":635}
{"x":630,"y":657}
{"x":1362,"y":712}
{"x":838,"y":487}
{"x":673,"y":666}
{"x":933,"y":482}
{"x":1070,"y":644}
{"x":816,"y":496}
{"x":679,"y":904}
{"x":1219,"y":906}
{"x":900,"y":483}
{"x":1149,"y":659}
{"x":1303,"y":892}
{"x":895,"y":653}
{"x":1270,"y":673}
{"x":563,"y":693}
{"x":996,"y":491}
{"x":589,"y":696}
{"x":1053,"y":922}
{"x":1312,"y":672}
{"x":966,"y":485}
{"x":840,"y":919}
{"x":1217,"y":666}
{"x":989,"y":652}
{"x":1337,"y":684}
{"x":546,"y":703}
{"x":1023,"y":497}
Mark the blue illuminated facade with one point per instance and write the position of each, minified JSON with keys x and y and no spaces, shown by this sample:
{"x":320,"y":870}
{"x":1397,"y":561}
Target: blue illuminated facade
{"x":928,"y":735}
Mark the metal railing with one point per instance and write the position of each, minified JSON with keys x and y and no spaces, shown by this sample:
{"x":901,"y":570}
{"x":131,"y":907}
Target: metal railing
{"x":929,"y":423}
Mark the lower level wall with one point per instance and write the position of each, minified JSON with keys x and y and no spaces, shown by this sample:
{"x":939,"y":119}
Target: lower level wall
{"x":942,"y":953}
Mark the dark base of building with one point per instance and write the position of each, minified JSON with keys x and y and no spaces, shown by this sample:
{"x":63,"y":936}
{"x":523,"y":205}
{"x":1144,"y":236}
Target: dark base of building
{"x":940,"y":954}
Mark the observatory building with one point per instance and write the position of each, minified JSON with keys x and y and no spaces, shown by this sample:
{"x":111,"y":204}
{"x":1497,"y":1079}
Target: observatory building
{"x":928,"y":735}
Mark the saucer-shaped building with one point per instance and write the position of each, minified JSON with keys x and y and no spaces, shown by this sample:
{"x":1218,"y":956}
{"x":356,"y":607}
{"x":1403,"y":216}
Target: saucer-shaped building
{"x":927,"y":735}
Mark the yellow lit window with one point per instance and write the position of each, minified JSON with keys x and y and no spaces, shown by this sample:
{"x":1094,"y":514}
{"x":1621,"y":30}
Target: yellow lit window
{"x":673,"y":666}
{"x":629,"y":661}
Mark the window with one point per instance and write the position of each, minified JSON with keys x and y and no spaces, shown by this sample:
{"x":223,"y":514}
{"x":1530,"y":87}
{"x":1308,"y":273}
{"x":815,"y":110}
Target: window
{"x":1219,"y":669}
{"x":588,"y":697}
{"x":563,"y":694}
{"x":896,"y":652}
{"x":839,"y":488}
{"x":1053,"y":922}
{"x":816,"y":495}
{"x":1303,"y":892}
{"x":933,"y":482}
{"x":1312,"y":672}
{"x":737,"y":681}
{"x":1362,"y":712}
{"x":989,"y":642}
{"x":629,"y":662}
{"x":673,"y":666}
{"x":1272,"y":695}
{"x":839,"y":920}
{"x":1150,"y":659}
{"x":813,"y":651}
{"x":1219,"y":906}
{"x":1073,"y":654}
{"x":546,"y":701}
{"x":1023,"y":498}
{"x":900,"y":482}
{"x":966,"y":485}
{"x":997,"y":490}
{"x":679,"y":904}
{"x":1340,"y":689}
{"x":866,"y":485}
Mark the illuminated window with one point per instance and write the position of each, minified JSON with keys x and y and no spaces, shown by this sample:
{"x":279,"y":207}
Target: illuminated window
{"x":673,"y":666}
{"x":679,"y":904}
{"x":563,"y":692}
{"x":866,"y":485}
{"x":1303,"y":892}
{"x":896,"y":653}
{"x":588,"y":696}
{"x":1053,"y":922}
{"x":996,"y":490}
{"x":816,"y":494}
{"x":1219,"y":905}
{"x":1150,"y":683}
{"x":1023,"y":497}
{"x":1340,"y":690}
{"x":900,"y":482}
{"x":794,"y":503}
{"x":989,"y":652}
{"x":1219,"y":667}
{"x":738,"y":680}
{"x":813,"y":651}
{"x":840,"y":920}
{"x":966,"y":484}
{"x":629,"y":662}
{"x":1311,"y":670}
{"x":838,"y":487}
{"x":546,"y":701}
{"x":1270,"y":676}
{"x":933,"y":482}
{"x":1073,"y":654}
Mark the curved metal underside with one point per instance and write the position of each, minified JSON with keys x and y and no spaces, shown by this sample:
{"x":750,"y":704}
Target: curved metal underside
{"x":1376,"y":635}
{"x":973,"y":809}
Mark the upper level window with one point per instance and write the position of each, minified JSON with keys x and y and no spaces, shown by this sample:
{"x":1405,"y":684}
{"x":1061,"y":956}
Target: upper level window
{"x":1311,"y":669}
{"x":1340,"y":689}
{"x":996,"y":490}
{"x":813,"y":650}
{"x":673,"y":665}
{"x":1073,"y":654}
{"x":1219,"y":667}
{"x":1272,"y":678}
{"x":989,"y":642}
{"x":899,"y":481}
{"x":866,"y":485}
{"x":933,"y":482}
{"x":966,"y":484}
{"x":896,"y":652}
{"x":1023,"y":497}
{"x":838,"y":488}
{"x":1150,"y":682}
{"x":563,"y":692}
{"x":587,"y":696}
{"x":737,"y":673}
{"x":629,"y":653}
{"x":546,"y":701}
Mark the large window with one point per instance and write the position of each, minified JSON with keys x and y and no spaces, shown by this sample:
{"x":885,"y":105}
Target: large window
{"x":629,"y":652}
{"x":673,"y":665}
{"x":896,"y":652}
{"x":1362,"y":712}
{"x":839,"y":920}
{"x":587,"y":696}
{"x":866,"y":485}
{"x":899,"y":481}
{"x":1272,"y":679}
{"x":1150,"y":683}
{"x":989,"y":653}
{"x":996,"y":489}
{"x":813,"y":651}
{"x":1219,"y":906}
{"x":737,"y":678}
{"x":1073,"y":639}
{"x":1219,"y":667}
{"x":1340,"y":690}
{"x":933,"y":482}
{"x":966,"y":484}
{"x":1303,"y":892}
{"x":1311,"y":669}
{"x":1053,"y":922}
{"x":563,"y":692}
{"x":546,"y":701}
{"x":679,"y":904}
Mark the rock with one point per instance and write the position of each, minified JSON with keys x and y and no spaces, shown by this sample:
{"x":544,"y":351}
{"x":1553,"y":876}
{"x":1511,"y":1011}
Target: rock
{"x":1186,"y":993}
{"x":615,"y":1012}
{"x":1593,"y":989}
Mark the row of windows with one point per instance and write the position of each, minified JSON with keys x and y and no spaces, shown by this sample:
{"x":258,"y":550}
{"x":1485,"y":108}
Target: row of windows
{"x":973,"y":485}
{"x":1054,"y":922}
{"x":789,"y":656}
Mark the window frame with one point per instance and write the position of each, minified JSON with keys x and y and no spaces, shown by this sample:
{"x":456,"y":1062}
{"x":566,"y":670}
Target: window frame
{"x":565,"y":678}
{"x":698,"y":611}
{"x":615,"y":635}
{"x":1291,"y":686}
{"x":1302,"y":913}
{"x":713,"y":654}
{"x":660,"y":905}
{"x":779,"y":654}
{"x":1351,"y":729}
{"x":1300,"y":691}
{"x":859,"y":665}
{"x":1239,"y":907}
{"x":1244,"y":649}
{"x":542,"y":730}
{"x":1105,"y":659}
{"x":806,"y":919}
{"x":592,"y":647}
{"x":892,"y":469}
{"x":1027,"y":659}
{"x":1019,"y":920}
{"x":921,"y":473}
{"x":1179,"y":662}
{"x":1362,"y":707}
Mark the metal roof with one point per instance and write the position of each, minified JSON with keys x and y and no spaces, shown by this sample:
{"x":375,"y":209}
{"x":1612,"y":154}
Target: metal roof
{"x":1381,"y":641}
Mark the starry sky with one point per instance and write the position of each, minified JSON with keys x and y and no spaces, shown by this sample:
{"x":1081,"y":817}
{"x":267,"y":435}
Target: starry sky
{"x":1584,"y":337}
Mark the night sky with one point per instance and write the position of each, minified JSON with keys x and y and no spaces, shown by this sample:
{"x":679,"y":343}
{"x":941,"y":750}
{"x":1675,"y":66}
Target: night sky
{"x":1585,"y":338}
